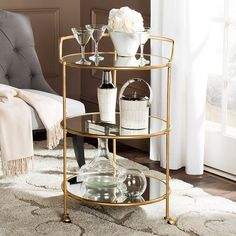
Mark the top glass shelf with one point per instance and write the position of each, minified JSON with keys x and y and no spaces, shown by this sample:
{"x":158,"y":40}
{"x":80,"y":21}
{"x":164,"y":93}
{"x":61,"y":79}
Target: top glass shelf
{"x":113,"y":62}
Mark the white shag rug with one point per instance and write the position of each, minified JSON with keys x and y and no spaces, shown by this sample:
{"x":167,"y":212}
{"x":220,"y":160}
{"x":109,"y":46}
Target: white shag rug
{"x":33,"y":204}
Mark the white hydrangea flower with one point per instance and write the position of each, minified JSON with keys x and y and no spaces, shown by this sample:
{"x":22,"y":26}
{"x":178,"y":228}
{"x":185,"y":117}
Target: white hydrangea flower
{"x":125,"y":20}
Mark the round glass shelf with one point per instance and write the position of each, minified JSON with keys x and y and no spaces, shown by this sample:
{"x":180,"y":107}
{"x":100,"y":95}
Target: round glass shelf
{"x":89,"y":125}
{"x":113,"y":62}
{"x":155,"y":192}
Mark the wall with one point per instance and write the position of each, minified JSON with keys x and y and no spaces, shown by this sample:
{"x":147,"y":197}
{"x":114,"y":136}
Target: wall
{"x":50,"y":20}
{"x":97,"y":12}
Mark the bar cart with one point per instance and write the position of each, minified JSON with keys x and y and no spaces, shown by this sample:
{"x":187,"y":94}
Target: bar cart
{"x":78,"y":125}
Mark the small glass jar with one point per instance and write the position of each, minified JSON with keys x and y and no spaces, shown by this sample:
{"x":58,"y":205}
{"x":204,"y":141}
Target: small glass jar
{"x":135,"y":182}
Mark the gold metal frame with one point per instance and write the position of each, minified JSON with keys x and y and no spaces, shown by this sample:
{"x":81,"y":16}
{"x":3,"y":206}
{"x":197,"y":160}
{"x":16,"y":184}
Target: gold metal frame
{"x":62,"y":60}
{"x":141,"y":68}
{"x":141,"y":136}
{"x":116,"y":204}
{"x":148,"y":67}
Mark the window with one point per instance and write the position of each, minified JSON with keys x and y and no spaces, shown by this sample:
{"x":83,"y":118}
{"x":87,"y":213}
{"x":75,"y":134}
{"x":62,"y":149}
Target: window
{"x":221,"y":91}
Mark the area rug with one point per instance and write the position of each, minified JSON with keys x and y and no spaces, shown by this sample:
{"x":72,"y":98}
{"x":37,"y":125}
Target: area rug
{"x":33,"y":204}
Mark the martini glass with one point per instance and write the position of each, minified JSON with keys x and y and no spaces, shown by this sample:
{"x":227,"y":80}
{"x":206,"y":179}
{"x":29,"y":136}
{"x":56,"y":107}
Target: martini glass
{"x":143,"y":38}
{"x":98,"y":31}
{"x":82,"y":36}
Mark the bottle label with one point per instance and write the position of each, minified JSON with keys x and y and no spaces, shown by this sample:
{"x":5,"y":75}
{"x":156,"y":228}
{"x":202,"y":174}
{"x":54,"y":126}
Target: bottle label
{"x":107,"y":104}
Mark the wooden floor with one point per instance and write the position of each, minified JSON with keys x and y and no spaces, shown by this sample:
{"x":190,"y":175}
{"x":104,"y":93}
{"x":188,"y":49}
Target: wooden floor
{"x":211,"y":183}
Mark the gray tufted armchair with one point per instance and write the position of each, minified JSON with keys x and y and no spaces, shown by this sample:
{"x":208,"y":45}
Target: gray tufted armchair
{"x":20,"y":67}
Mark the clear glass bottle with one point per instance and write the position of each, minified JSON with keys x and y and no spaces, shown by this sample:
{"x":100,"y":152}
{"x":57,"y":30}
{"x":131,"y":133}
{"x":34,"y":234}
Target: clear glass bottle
{"x":102,"y":172}
{"x":111,"y":195}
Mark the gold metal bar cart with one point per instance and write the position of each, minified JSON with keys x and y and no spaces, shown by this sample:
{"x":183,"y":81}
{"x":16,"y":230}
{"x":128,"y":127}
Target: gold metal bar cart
{"x":77,"y":125}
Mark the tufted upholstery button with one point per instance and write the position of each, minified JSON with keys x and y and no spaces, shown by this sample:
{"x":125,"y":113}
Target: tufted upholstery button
{"x":17,"y":53}
{"x":16,"y":50}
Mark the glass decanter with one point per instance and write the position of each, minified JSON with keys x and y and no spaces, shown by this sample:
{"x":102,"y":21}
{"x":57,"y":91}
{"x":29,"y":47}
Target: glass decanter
{"x":111,"y":195}
{"x":102,"y":172}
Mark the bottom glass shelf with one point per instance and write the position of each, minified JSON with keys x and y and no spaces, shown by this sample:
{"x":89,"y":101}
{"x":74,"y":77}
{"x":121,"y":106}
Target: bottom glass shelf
{"x":155,"y":192}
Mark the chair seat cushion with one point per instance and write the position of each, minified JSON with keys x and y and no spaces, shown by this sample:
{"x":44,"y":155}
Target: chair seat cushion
{"x":73,"y":107}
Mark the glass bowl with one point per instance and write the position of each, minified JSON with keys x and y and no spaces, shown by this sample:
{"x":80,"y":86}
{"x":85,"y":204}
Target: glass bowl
{"x":135,"y":182}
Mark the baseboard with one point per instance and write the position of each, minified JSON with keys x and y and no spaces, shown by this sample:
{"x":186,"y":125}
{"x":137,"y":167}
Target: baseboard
{"x":220,"y":173}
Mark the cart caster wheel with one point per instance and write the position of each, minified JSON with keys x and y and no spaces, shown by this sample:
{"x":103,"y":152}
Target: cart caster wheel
{"x":170,"y":221}
{"x":66,"y":218}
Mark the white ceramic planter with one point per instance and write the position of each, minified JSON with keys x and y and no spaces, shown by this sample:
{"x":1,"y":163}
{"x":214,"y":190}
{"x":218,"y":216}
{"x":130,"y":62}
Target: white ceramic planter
{"x":126,"y":61}
{"x":125,"y":44}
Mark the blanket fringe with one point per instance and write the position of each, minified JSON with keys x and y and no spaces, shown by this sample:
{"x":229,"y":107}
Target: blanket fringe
{"x":17,"y":167}
{"x":54,"y":135}
{"x":24,"y":165}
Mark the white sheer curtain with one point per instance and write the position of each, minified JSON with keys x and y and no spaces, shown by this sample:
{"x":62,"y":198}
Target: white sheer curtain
{"x":186,"y":22}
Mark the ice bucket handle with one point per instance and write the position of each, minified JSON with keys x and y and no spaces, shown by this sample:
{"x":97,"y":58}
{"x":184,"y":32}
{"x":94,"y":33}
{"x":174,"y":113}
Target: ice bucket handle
{"x":136,"y":80}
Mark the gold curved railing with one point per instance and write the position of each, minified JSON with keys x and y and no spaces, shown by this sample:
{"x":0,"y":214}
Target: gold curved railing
{"x":159,"y":38}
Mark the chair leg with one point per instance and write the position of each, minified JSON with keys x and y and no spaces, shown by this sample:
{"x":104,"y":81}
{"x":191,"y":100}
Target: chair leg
{"x":78,"y":143}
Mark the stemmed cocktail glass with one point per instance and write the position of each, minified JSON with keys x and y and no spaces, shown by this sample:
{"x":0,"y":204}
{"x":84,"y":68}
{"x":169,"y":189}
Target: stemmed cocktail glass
{"x":82,"y":35}
{"x":143,"y":38}
{"x":98,"y":31}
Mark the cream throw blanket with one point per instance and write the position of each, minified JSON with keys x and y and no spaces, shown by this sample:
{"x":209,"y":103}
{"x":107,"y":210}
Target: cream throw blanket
{"x":16,"y":141}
